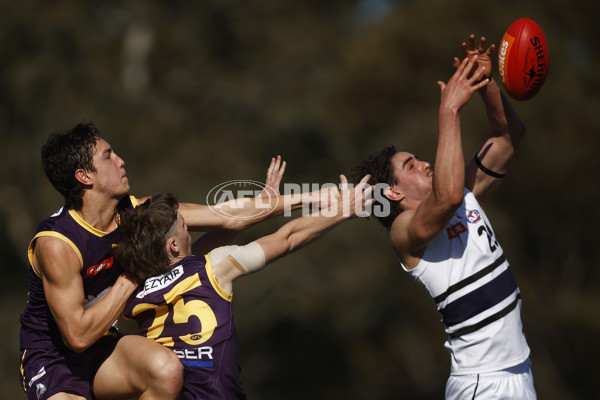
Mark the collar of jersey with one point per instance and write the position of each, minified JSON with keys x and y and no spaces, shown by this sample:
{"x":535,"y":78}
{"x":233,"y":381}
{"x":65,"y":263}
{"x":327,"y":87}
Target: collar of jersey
{"x":85,"y":225}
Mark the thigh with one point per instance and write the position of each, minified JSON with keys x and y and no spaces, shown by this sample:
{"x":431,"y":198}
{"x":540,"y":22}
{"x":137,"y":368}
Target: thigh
{"x":131,"y":368}
{"x":66,"y":396}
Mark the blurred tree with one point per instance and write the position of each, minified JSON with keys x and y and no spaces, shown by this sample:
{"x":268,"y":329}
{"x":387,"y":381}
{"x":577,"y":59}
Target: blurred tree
{"x":192,"y":94}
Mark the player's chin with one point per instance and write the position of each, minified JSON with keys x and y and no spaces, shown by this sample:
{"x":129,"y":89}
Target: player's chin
{"x":126,"y":186}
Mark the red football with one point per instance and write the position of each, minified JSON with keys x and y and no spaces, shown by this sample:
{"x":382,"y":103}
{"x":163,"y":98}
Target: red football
{"x":523,"y":59}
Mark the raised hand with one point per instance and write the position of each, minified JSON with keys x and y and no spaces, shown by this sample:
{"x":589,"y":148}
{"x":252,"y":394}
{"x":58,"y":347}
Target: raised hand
{"x":355,"y":201}
{"x":465,"y":81}
{"x":274,"y":176}
{"x":483,"y":55}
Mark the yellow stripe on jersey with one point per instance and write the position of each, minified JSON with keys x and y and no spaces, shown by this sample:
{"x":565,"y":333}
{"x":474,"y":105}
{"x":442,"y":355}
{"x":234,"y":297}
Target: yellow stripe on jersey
{"x":85,"y":225}
{"x":58,"y":236}
{"x":213,"y":280}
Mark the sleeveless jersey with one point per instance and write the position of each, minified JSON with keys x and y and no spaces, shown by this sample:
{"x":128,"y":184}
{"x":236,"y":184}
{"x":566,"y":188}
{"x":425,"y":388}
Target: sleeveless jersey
{"x":467,"y":275}
{"x":98,"y":271}
{"x":186,"y":310}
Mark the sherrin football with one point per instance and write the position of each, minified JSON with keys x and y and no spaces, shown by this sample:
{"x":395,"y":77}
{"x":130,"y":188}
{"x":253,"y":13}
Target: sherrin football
{"x":523,"y":59}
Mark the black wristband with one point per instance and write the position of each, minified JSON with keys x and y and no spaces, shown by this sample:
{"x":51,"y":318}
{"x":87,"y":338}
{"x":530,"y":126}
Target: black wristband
{"x":485,"y":170}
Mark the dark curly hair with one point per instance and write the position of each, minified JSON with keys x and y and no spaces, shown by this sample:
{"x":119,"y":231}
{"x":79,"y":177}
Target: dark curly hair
{"x":378,"y":165}
{"x":63,"y":154}
{"x":144,"y":231}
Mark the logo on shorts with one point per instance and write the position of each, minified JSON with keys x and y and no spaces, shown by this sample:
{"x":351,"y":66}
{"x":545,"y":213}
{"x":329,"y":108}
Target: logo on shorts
{"x":40,"y":389}
{"x":473,"y":216}
{"x":37,"y":376}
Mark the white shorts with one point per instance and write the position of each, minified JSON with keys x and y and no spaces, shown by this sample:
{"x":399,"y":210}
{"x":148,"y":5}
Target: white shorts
{"x":514,"y":383}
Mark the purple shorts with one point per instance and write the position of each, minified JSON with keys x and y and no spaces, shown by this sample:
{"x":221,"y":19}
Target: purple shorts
{"x":45,"y":372}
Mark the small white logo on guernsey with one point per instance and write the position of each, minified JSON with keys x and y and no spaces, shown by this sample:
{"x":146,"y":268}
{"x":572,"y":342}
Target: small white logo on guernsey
{"x":56,"y":214}
{"x":473,"y":216}
{"x":158,"y":282}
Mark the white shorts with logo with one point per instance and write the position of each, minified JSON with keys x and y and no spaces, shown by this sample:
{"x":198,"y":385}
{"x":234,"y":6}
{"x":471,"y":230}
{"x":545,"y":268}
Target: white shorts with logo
{"x":515,"y":383}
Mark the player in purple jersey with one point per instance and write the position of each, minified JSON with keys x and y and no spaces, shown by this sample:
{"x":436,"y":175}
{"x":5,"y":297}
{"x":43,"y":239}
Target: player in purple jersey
{"x":77,"y":292}
{"x":185,"y":301}
{"x":445,"y":242}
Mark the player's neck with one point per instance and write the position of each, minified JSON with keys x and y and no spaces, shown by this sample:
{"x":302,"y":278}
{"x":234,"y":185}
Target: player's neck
{"x":99,"y":213}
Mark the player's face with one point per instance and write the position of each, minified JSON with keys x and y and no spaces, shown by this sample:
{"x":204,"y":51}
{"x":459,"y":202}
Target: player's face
{"x":182,"y":236}
{"x":110,"y":175}
{"x":413,"y":177}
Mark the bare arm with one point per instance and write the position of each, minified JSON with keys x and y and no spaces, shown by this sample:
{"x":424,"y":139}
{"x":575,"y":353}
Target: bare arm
{"x":507,"y":130}
{"x":298,"y":233}
{"x":301,"y":231}
{"x":414,"y":229}
{"x":60,"y":270}
{"x":213,"y":239}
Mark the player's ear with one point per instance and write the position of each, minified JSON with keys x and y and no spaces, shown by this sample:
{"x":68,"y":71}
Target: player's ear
{"x":83,"y":177}
{"x":172,"y":245}
{"x":393,"y":194}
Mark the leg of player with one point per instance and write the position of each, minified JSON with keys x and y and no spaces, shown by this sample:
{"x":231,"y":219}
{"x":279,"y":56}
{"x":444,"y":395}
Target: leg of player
{"x":66,"y":396}
{"x":139,"y":367}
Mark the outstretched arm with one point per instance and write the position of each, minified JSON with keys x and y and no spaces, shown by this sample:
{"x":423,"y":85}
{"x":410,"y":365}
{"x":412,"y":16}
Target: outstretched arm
{"x":222,"y":237}
{"x":293,"y":235}
{"x":298,"y":233}
{"x":240,"y":214}
{"x":492,"y":161}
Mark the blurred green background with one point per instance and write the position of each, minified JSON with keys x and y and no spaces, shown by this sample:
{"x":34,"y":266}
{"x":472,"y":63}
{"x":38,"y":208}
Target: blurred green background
{"x":195,"y":93}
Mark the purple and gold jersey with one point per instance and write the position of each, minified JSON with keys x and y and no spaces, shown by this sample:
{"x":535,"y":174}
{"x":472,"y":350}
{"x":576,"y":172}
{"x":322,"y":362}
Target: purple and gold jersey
{"x":186,"y":310}
{"x":98,"y":271}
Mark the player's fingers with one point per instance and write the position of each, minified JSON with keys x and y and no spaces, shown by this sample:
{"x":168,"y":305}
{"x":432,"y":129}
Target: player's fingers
{"x":482,"y":45}
{"x":461,"y":67}
{"x":363,"y":182}
{"x":471,"y":42}
{"x":465,"y":67}
{"x":456,"y":62}
{"x":277,"y":163}
{"x":465,"y":50}
{"x":478,"y":74}
{"x":343,"y":181}
{"x":481,"y":84}
{"x":369,"y":206}
{"x":282,"y":168}
{"x":271,"y":166}
{"x":368,"y":190}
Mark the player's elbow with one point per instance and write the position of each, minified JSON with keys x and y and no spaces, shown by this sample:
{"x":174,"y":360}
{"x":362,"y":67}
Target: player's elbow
{"x":75,"y":344}
{"x":449,"y":199}
{"x":238,"y":224}
{"x":455,"y":199}
{"x":296,"y":241}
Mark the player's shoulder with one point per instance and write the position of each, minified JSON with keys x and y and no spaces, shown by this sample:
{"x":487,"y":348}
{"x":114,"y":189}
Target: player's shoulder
{"x":400,"y":240}
{"x":54,"y":253}
{"x":399,"y":229}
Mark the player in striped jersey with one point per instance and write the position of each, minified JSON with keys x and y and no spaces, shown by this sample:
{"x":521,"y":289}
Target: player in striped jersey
{"x":185,"y":300}
{"x":446,"y":243}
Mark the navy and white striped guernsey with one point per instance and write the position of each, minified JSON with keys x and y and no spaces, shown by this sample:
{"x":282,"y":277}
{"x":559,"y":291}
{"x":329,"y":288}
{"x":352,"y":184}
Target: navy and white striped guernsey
{"x":469,"y":279}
